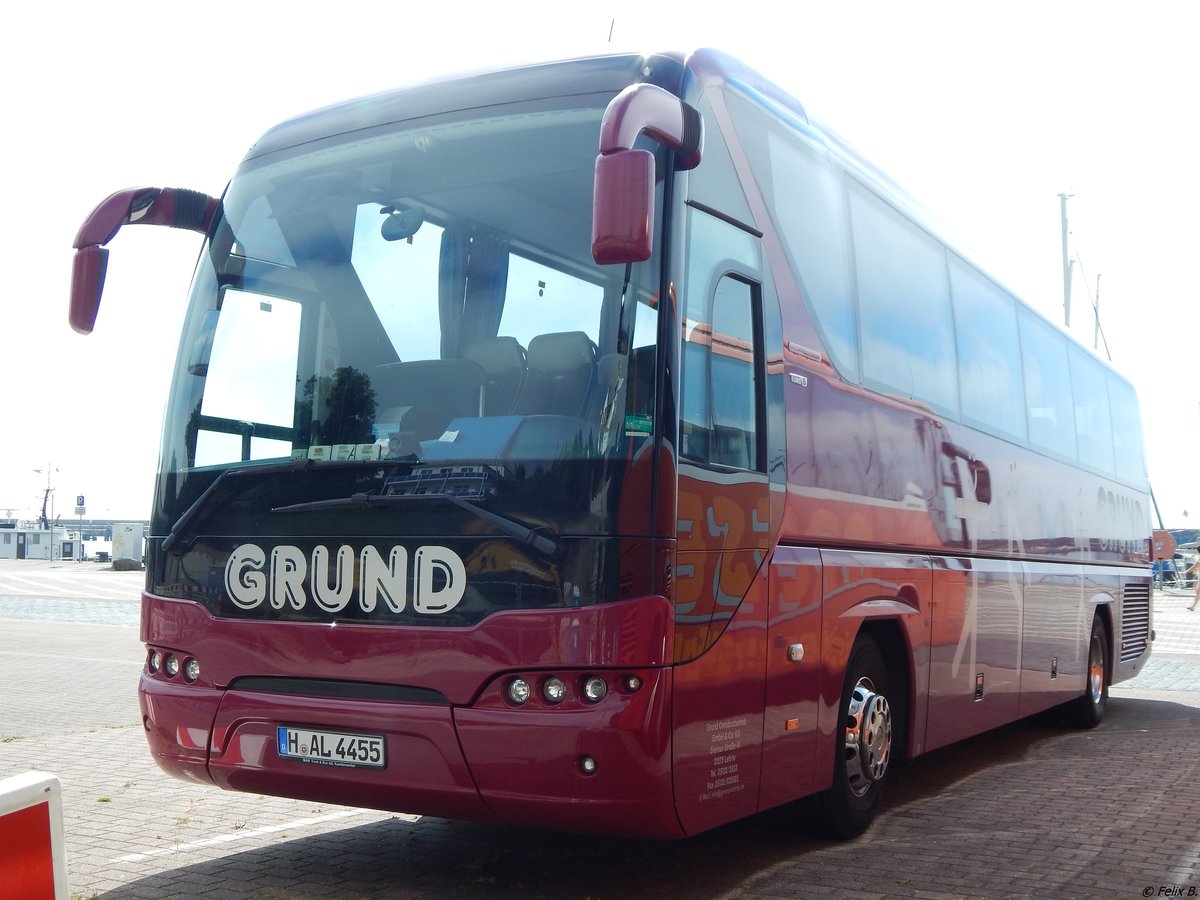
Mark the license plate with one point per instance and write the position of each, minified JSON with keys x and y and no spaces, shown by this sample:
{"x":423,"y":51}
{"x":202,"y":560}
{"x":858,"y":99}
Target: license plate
{"x":331,"y":748}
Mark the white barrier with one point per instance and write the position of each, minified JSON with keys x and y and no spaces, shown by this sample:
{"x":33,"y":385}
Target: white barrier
{"x":33,"y":859}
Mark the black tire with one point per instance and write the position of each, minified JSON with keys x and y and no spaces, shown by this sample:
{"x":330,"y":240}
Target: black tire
{"x":1087,"y":710}
{"x":863,"y":749}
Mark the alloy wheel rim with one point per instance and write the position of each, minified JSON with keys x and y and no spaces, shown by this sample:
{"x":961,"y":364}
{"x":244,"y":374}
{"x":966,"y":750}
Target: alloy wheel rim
{"x":867,"y":737}
{"x":1096,"y":671}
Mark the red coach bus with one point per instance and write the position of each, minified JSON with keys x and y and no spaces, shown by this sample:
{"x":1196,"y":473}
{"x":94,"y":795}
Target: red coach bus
{"x":604,"y":446}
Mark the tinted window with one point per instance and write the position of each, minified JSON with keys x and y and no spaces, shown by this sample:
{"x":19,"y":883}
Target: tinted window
{"x":718,"y":394}
{"x":811,"y":209}
{"x":1127,"y":432}
{"x":1047,"y":386}
{"x":251,"y":374}
{"x":421,"y":294}
{"x":808,"y":205}
{"x":716,"y":183}
{"x":989,"y":353}
{"x":718,"y":407}
{"x":733,"y":368}
{"x":1093,"y":424}
{"x":904,"y":306}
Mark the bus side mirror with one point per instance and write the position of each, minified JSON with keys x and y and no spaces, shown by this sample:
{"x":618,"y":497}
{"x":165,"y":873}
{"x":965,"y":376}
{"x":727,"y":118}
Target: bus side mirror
{"x":623,"y":207}
{"x":87,"y":284}
{"x":623,"y":190}
{"x":141,"y":206}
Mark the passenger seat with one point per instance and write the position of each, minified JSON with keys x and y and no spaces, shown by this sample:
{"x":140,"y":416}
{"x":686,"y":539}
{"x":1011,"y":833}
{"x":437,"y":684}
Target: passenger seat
{"x":562,"y":369}
{"x":503,"y":360}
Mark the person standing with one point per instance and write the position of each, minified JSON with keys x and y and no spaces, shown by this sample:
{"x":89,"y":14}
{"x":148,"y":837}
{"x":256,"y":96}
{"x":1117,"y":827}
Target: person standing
{"x":1194,"y":571}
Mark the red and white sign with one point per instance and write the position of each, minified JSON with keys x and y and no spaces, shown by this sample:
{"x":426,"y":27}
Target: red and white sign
{"x":33,"y":861}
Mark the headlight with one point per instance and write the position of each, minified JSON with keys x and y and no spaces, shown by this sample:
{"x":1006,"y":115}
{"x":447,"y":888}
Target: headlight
{"x":518,"y":691}
{"x":594,"y":688}
{"x":554,"y":690}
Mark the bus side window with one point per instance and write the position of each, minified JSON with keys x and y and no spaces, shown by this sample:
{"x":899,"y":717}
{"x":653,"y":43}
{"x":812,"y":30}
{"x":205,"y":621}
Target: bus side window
{"x":720,"y":382}
{"x":641,"y":381}
{"x":734,"y":406}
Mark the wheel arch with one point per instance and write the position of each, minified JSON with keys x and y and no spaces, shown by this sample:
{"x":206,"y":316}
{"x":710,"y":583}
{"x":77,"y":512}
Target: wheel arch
{"x":1104,"y":612}
{"x":893,"y":644}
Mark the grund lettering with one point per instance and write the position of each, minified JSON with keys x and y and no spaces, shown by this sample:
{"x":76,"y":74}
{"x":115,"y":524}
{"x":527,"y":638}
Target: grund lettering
{"x":439,"y":578}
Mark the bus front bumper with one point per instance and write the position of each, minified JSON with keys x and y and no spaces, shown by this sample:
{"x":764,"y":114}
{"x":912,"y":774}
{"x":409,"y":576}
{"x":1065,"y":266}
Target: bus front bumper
{"x":521,"y":766}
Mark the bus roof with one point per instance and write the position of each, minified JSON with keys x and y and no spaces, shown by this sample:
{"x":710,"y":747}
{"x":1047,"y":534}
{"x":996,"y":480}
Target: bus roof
{"x":585,"y":75}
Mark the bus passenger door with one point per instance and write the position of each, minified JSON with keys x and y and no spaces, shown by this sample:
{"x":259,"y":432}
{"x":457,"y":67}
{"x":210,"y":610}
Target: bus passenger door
{"x":723,"y":528}
{"x":793,"y":689}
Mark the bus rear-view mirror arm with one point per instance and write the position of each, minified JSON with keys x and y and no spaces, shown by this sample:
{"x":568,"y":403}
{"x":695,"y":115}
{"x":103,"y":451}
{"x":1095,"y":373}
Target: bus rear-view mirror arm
{"x":173,"y":207}
{"x":623,"y":190}
{"x":979,"y":470}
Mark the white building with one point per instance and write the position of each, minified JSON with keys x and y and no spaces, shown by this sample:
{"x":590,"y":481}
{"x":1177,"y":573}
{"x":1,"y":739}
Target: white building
{"x":25,"y":541}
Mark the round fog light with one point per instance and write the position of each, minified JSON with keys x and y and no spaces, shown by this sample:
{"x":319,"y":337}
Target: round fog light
{"x":632,"y":683}
{"x":518,"y":691}
{"x":594,"y":688}
{"x":191,"y":669}
{"x":155,"y":662}
{"x":554,"y":690}
{"x":587,"y":765}
{"x":172,"y":665}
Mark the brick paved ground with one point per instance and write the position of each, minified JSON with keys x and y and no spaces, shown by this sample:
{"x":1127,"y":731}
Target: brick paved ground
{"x":1034,"y":809}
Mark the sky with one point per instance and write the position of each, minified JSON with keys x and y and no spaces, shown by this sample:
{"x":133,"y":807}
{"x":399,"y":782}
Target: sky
{"x":985,"y":112}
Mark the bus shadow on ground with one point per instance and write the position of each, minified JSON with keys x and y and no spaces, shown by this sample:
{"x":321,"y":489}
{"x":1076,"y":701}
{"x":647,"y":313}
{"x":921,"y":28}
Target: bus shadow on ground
{"x":447,"y":859}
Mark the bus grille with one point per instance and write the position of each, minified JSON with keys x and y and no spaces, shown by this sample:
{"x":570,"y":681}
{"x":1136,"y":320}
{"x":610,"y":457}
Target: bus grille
{"x":1135,"y":621}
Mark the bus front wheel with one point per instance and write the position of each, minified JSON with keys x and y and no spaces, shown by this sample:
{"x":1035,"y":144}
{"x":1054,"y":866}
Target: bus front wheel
{"x":864,"y":745}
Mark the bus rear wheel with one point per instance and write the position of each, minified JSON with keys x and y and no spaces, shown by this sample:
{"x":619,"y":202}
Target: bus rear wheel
{"x":1087,"y":710}
{"x":864,"y":745}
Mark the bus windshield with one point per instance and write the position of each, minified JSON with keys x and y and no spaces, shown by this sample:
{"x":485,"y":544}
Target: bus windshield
{"x":412,"y":310}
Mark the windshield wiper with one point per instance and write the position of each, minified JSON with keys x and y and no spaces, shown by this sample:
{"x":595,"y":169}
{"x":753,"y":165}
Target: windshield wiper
{"x":183,"y":523}
{"x":533,"y":538}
